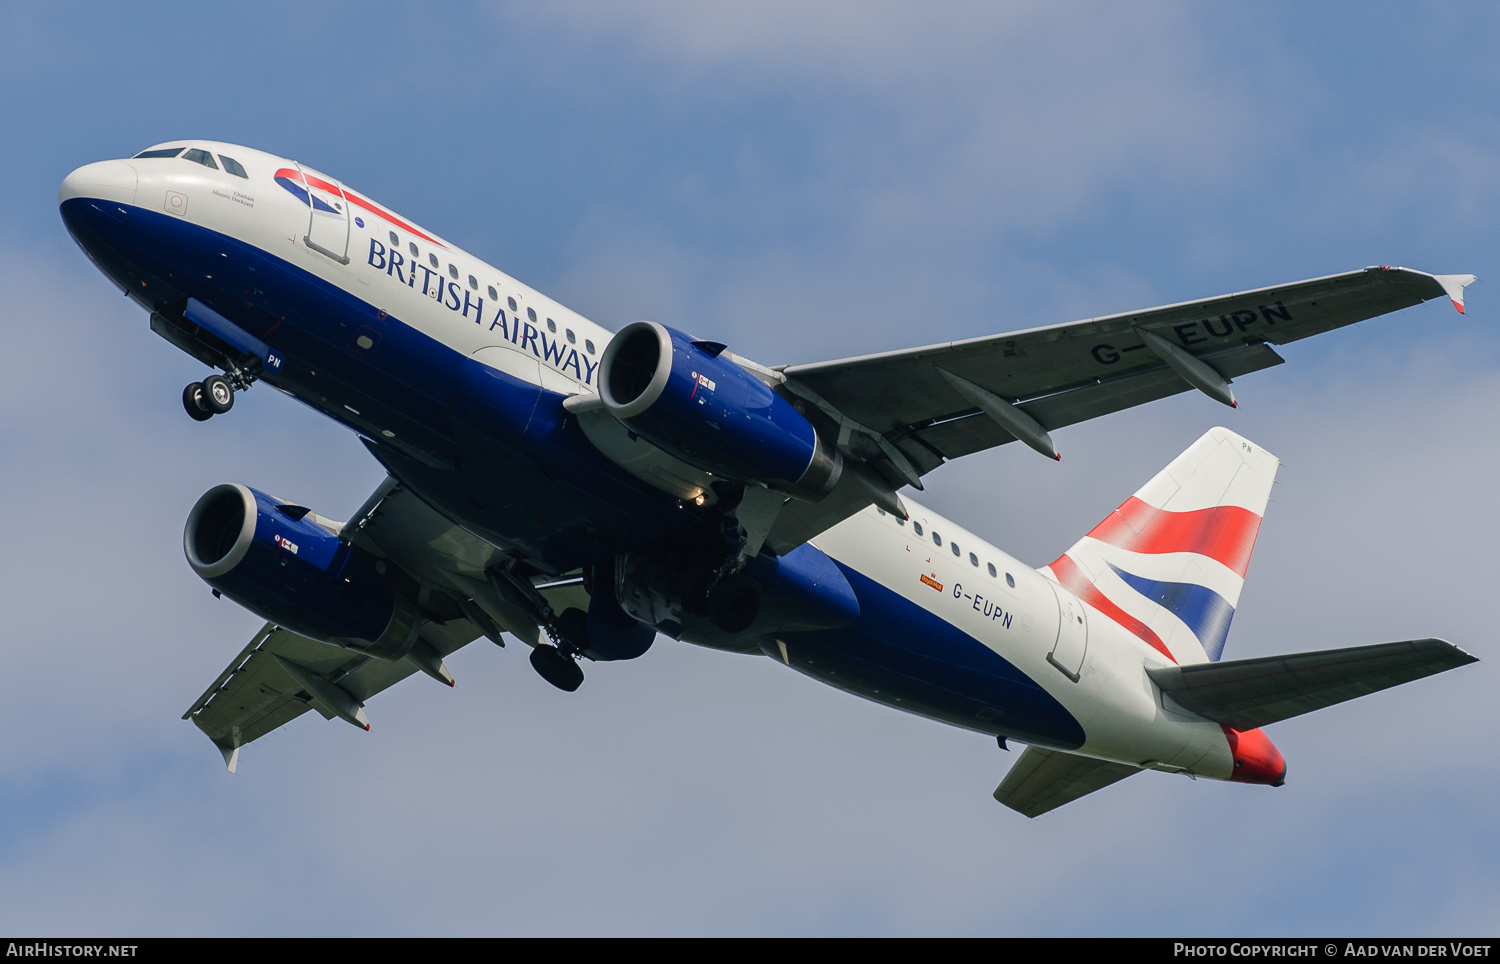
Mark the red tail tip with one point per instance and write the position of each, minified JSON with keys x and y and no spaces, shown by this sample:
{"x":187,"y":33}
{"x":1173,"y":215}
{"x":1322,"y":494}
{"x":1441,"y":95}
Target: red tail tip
{"x":1256,"y":759}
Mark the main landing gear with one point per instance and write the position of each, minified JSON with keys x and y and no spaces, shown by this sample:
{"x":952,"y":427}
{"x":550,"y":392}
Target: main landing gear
{"x":557,"y":667}
{"x":212,"y":396}
{"x":558,"y":664}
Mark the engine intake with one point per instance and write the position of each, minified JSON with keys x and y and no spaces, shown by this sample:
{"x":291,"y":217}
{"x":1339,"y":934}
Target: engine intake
{"x":276,"y":562}
{"x":686,"y":399}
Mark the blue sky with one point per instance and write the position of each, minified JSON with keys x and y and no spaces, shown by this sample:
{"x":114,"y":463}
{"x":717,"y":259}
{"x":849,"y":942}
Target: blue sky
{"x":801,"y":183}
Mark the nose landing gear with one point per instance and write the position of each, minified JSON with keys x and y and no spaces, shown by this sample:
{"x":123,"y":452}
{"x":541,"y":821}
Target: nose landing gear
{"x":212,"y":396}
{"x":194,"y":400}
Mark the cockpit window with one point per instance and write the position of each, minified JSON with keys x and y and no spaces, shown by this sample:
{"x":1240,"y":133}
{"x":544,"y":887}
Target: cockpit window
{"x":202,"y":157}
{"x":234,"y":167}
{"x":161,"y":152}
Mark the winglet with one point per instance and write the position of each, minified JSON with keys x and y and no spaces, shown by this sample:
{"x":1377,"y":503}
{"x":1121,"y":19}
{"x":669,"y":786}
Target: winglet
{"x":1454,"y":285}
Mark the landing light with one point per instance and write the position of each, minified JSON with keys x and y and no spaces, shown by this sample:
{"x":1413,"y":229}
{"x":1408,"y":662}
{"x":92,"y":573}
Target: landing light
{"x":698,"y":500}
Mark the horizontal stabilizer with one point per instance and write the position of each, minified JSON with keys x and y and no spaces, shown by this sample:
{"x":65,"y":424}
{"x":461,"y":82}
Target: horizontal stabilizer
{"x":1044,"y":780}
{"x":1249,"y":693}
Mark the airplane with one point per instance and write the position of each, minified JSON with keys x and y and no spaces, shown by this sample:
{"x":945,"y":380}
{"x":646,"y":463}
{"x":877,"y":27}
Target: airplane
{"x":584,"y":490}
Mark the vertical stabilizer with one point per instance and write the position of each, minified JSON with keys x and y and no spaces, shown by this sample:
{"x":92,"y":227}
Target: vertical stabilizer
{"x":1168,"y":565}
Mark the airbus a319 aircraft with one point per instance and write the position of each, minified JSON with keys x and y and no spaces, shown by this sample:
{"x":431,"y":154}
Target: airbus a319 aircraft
{"x":583,"y":491}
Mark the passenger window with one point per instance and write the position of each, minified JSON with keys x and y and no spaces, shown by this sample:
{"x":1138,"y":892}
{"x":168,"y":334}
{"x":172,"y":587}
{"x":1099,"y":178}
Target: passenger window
{"x":901,"y":522}
{"x":993,"y":573}
{"x":453,"y":272}
{"x":412,"y":247}
{"x":954,"y":547}
{"x":571,"y":339}
{"x":588,"y":346}
{"x":491,"y":291}
{"x":973,"y":560}
{"x":201,"y":157}
{"x":432,"y":259}
{"x":879,"y":510}
{"x":916,"y":527}
{"x":511,"y":302}
{"x":161,"y":152}
{"x":552,"y":326}
{"x":937,"y":539}
{"x":530,"y":313}
{"x":473,"y":283}
{"x":1010,"y":580}
{"x":234,"y":167}
{"x":395,"y":241}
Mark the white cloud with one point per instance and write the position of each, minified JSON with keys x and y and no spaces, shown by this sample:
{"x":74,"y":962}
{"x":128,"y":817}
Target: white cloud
{"x":963,"y":118}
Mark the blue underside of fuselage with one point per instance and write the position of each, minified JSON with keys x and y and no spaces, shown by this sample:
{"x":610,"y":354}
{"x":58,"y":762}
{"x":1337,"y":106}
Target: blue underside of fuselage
{"x":502,"y":457}
{"x":903,"y":655}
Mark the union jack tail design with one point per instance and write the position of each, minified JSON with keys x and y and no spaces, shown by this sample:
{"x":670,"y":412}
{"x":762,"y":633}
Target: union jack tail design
{"x":1168,"y":565}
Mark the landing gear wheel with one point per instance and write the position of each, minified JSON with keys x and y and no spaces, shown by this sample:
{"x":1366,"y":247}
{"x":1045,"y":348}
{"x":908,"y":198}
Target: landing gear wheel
{"x":195,"y":401}
{"x":556,"y":668}
{"x":218,"y":394}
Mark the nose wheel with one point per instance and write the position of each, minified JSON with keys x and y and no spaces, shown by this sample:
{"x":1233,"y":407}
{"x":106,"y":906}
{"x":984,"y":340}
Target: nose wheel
{"x":212,"y":396}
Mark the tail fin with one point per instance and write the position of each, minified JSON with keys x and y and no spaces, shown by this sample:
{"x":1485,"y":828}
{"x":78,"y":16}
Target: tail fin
{"x":1168,"y":565}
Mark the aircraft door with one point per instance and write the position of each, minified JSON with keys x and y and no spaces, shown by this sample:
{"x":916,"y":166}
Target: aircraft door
{"x":328,"y":216}
{"x":1072,"y":634}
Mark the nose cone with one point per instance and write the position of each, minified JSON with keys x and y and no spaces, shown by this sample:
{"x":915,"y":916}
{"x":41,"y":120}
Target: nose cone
{"x":106,"y":180}
{"x":1256,"y":759}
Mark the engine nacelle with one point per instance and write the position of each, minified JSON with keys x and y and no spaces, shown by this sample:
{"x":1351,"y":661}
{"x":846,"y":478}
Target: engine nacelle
{"x":282,"y":566}
{"x":706,"y":410}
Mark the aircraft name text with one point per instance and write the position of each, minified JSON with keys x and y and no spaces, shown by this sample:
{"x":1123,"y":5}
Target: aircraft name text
{"x":552,"y":350}
{"x":985,"y":607}
{"x":1194,"y":333}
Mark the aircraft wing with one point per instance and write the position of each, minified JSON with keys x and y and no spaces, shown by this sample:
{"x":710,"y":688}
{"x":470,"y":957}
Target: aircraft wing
{"x":904,"y":413}
{"x":281,"y":675}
